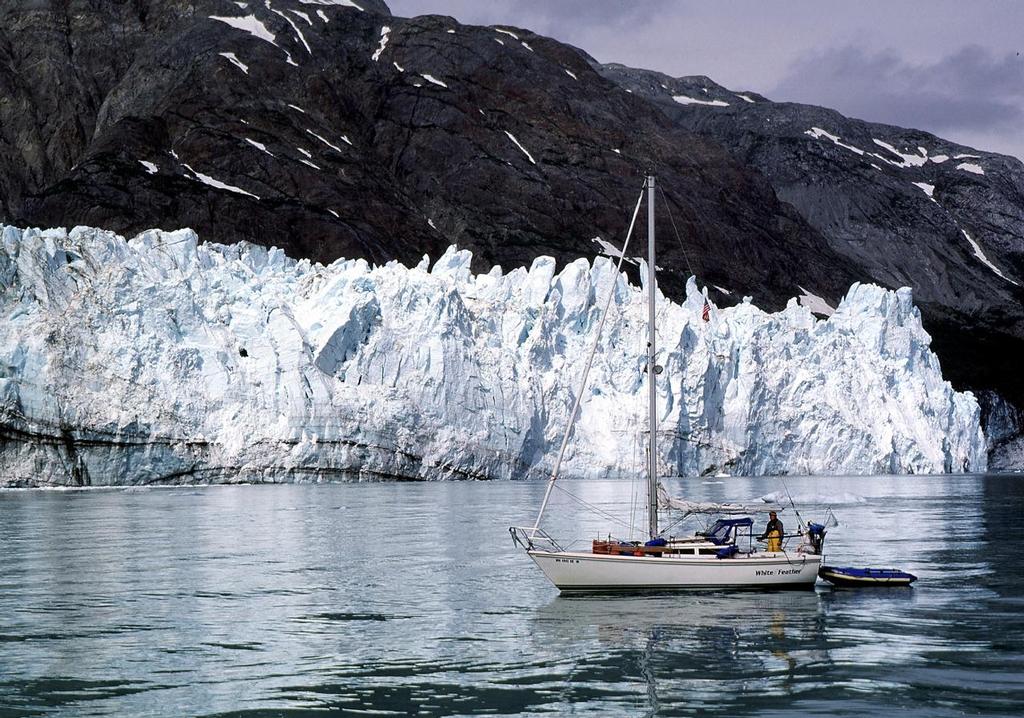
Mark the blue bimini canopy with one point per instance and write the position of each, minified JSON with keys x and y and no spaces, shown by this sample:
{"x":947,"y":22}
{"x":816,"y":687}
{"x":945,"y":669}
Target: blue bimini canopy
{"x":722,"y":528}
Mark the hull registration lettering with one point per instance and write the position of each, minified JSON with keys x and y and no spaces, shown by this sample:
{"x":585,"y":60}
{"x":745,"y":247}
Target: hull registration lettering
{"x":779,"y":572}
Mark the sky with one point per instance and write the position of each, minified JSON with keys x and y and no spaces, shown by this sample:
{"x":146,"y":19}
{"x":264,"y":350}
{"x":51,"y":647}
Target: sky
{"x":953,"y":68}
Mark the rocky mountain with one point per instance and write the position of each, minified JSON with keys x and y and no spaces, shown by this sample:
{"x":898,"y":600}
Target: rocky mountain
{"x":905,"y":207}
{"x":332,"y":128}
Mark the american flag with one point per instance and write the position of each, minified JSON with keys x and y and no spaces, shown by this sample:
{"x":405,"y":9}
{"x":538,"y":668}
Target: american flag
{"x":706,"y":314}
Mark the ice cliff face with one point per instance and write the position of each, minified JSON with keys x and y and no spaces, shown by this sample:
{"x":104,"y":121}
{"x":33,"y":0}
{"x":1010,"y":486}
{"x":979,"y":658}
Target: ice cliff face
{"x":159,"y":359}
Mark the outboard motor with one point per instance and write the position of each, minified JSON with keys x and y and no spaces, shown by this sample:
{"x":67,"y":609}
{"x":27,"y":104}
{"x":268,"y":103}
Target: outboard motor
{"x":815,"y":536}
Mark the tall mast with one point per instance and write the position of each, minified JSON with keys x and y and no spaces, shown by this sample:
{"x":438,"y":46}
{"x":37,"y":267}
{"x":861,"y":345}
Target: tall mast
{"x":652,"y":446}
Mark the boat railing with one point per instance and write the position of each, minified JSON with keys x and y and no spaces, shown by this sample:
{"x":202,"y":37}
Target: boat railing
{"x":531,"y":538}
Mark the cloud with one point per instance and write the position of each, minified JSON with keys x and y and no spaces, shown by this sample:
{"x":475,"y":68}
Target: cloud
{"x":970,"y":90}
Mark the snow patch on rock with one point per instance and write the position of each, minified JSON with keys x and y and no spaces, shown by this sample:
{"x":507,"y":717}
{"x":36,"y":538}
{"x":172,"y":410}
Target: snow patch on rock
{"x":434,"y":81}
{"x":327,"y":142}
{"x":520,"y":146}
{"x":258,"y":145}
{"x":216,"y":183}
{"x":817,"y":133}
{"x":814,"y":303}
{"x":341,"y":3}
{"x":980,"y":254}
{"x":295,"y":28}
{"x":684,"y":100}
{"x":928,"y":189}
{"x":249,"y":24}
{"x":233,"y":59}
{"x":384,"y":33}
{"x":906,"y":160}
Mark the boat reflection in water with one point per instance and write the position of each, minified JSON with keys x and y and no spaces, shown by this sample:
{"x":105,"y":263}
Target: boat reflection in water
{"x":693,"y":650}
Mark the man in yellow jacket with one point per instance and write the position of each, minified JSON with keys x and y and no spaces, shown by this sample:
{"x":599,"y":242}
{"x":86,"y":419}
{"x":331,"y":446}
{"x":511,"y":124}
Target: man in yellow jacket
{"x":772,"y":532}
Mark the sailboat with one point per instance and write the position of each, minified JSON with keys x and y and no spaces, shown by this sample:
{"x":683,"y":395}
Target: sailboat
{"x":710,"y":559}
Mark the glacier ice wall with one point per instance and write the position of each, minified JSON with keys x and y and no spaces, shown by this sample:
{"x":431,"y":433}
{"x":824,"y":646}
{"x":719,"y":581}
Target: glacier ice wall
{"x":162,"y":359}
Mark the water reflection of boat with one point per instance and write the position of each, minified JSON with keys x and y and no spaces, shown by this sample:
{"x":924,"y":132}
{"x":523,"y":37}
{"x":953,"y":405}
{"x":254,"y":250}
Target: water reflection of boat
{"x":678,"y":642}
{"x":624,"y":619}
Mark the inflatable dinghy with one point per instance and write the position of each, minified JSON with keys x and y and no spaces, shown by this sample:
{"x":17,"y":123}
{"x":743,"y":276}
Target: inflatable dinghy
{"x":849,"y":577}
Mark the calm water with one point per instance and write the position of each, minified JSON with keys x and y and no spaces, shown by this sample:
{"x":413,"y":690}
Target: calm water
{"x":409,"y":599}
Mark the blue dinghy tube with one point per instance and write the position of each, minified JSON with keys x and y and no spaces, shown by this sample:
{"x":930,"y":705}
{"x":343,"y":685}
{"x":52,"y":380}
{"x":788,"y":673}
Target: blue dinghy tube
{"x":850,"y":577}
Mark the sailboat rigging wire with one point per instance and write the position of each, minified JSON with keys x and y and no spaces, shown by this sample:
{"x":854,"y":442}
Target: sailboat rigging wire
{"x":590,"y":360}
{"x":673,"y":524}
{"x":668,"y":209}
{"x":795,"y":511}
{"x":599,"y":511}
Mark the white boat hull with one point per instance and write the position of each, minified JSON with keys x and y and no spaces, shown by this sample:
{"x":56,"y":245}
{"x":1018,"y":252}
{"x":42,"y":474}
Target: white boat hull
{"x":588,"y":572}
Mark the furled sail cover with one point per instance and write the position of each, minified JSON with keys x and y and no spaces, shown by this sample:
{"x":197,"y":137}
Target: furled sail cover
{"x":706,"y":507}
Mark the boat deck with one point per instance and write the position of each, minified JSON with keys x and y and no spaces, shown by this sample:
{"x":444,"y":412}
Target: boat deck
{"x":679,"y":548}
